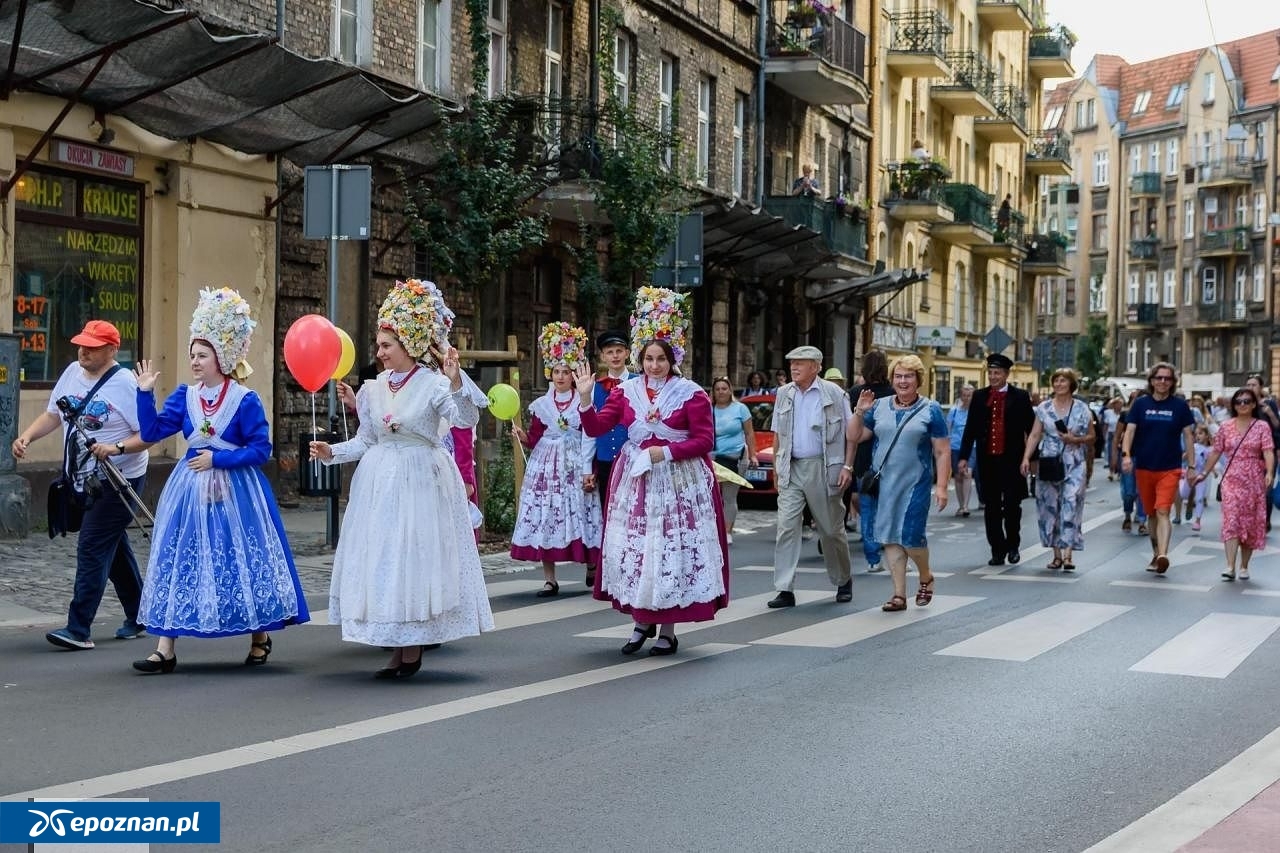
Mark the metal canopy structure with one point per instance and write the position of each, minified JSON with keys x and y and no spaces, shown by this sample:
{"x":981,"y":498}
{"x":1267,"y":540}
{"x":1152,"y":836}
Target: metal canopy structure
{"x":180,"y":77}
{"x":758,"y":245}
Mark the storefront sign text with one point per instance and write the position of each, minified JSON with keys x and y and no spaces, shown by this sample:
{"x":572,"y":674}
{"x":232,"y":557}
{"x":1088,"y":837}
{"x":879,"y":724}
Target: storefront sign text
{"x":88,"y":157}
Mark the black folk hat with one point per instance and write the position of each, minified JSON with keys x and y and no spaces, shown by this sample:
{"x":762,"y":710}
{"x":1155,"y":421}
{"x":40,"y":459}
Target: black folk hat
{"x":612,"y":337}
{"x":1001,"y":361}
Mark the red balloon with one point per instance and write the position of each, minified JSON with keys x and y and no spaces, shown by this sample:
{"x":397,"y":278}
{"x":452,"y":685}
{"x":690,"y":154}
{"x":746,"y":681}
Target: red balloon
{"x":312,"y":349}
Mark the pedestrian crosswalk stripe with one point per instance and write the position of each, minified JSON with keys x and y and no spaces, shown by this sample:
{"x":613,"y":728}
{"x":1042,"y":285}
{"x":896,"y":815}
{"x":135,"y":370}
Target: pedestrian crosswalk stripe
{"x":546,"y":611}
{"x":1211,"y":648}
{"x":816,"y":570}
{"x":527,"y":585}
{"x":738,"y":609}
{"x":844,"y":630}
{"x":1031,"y":553}
{"x":1036,"y":633}
{"x":1034,"y":578}
{"x":1273,"y":593}
{"x":1182,"y":587}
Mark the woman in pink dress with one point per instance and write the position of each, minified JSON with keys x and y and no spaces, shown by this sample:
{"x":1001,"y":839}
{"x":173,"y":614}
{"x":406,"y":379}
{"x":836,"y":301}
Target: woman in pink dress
{"x":1245,"y":442}
{"x":665,"y":559}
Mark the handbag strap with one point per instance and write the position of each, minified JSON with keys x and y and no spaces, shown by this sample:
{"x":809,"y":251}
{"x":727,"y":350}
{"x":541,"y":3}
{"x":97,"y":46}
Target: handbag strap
{"x":1236,"y":452}
{"x":897,"y":433}
{"x":1070,"y":412}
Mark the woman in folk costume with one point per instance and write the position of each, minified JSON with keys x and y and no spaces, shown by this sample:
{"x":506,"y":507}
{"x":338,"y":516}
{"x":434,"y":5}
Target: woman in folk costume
{"x":407,"y":572}
{"x":559,"y":516}
{"x":220,"y":563}
{"x":664,"y":557}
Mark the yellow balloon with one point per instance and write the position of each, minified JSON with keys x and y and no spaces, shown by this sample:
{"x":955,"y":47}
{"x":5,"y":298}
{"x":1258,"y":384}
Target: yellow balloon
{"x":348,"y":358}
{"x":504,"y":401}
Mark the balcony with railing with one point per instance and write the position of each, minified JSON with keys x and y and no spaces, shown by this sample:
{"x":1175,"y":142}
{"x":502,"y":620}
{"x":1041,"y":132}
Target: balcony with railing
{"x":816,"y":57}
{"x":1222,"y":173}
{"x":970,"y":90}
{"x":1005,"y":15}
{"x":1049,"y":54}
{"x":1046,"y":255}
{"x":972,"y":224}
{"x":1008,"y":242}
{"x":1226,"y":241}
{"x":917,"y":191}
{"x":1222,"y":313}
{"x":1142,"y":314}
{"x":1009,"y":125}
{"x":1144,"y":251}
{"x":1144,"y":184}
{"x":844,"y":232}
{"x":918,"y":44}
{"x":1049,"y":154}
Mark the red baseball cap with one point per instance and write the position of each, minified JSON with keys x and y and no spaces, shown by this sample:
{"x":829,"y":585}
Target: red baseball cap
{"x":97,"y":333}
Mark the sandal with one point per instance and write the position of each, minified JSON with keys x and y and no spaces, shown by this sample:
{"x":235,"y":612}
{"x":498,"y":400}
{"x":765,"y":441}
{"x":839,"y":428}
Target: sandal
{"x":894,"y":604}
{"x":1055,"y":564}
{"x":549,"y":588}
{"x":1068,"y":567}
{"x":924,"y":595}
{"x":258,"y":660}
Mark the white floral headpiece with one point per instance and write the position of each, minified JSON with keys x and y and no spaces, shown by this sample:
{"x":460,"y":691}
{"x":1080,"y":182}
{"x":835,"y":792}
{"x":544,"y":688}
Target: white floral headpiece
{"x":414,"y":311}
{"x":221,"y":319}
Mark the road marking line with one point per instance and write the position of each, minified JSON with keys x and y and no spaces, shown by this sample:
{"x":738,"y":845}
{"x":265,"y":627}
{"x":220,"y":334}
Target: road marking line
{"x":1182,"y":587}
{"x":810,"y":570}
{"x":1036,"y":633}
{"x":1211,"y":648}
{"x":1038,"y":550}
{"x":528,"y":585}
{"x":1272,"y":593}
{"x":1202,"y":806}
{"x":739,"y":609}
{"x":550,"y":611}
{"x":230,"y":759}
{"x":1034,"y":578}
{"x":846,"y":630}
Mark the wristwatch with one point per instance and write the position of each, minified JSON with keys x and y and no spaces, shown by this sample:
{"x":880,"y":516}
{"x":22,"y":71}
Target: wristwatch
{"x":120,"y":447}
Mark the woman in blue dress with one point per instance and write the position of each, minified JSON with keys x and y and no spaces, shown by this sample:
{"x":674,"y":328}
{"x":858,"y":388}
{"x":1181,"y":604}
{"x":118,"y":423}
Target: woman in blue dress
{"x":911,"y":449}
{"x":1063,"y":428}
{"x":220,"y":564}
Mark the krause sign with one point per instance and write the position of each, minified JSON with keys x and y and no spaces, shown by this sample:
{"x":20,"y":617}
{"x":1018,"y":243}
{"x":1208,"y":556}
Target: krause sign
{"x":89,"y":157}
{"x":940,"y":337}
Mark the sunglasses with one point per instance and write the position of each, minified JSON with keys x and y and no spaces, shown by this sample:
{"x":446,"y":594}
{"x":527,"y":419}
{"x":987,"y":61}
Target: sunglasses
{"x":1244,"y":401}
{"x":1162,"y":378}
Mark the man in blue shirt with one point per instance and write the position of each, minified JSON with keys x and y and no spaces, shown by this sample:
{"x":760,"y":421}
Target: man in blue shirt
{"x":1157,"y":437}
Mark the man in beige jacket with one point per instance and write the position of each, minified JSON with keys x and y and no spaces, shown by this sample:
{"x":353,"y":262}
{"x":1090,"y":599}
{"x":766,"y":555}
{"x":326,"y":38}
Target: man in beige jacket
{"x":813,"y":464}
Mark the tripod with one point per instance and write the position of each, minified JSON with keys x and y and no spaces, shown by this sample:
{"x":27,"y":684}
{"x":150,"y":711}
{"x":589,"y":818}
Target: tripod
{"x":114,"y":476}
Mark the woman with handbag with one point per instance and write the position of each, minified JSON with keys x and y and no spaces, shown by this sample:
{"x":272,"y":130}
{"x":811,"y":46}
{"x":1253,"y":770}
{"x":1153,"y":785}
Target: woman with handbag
{"x":910,"y":458}
{"x":1246,"y":481}
{"x":1064,"y":433}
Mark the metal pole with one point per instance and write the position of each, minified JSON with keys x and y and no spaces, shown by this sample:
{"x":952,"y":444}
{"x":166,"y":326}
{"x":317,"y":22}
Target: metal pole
{"x":331,"y":514}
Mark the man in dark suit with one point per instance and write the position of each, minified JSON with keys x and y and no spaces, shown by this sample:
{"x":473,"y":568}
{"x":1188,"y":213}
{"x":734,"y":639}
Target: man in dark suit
{"x":1000,"y":419}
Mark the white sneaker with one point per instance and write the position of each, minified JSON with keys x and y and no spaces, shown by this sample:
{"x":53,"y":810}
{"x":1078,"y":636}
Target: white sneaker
{"x":728,"y":537}
{"x":875,"y":567}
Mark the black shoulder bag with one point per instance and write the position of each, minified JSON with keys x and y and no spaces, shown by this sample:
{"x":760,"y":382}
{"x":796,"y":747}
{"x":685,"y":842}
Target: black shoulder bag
{"x":64,"y":504}
{"x":1053,"y":469}
{"x":869,"y":484}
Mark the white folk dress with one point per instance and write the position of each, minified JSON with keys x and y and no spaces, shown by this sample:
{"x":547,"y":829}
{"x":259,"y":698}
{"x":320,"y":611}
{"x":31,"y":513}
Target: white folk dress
{"x":407,"y":571}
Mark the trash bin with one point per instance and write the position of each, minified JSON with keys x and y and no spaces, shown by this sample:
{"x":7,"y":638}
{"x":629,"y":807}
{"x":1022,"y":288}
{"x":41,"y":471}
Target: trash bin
{"x":317,"y":480}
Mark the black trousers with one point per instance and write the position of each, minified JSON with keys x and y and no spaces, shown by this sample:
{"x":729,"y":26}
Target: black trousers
{"x":1002,"y":489}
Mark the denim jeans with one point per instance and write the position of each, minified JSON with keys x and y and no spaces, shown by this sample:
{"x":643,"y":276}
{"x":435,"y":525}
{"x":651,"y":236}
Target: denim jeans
{"x":867,"y":523}
{"x":103,"y":553}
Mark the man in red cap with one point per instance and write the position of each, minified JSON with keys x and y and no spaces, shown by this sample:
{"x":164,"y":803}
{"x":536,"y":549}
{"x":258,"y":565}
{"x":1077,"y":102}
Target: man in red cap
{"x":95,"y":400}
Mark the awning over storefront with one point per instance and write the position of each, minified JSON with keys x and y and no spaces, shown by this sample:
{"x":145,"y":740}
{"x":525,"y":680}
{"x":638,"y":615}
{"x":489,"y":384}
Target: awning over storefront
{"x":879,"y":282}
{"x":757,"y":245}
{"x":180,"y":77}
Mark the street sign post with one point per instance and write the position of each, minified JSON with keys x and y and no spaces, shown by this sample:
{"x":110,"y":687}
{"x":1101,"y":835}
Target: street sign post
{"x":336,"y":205}
{"x":681,"y":262}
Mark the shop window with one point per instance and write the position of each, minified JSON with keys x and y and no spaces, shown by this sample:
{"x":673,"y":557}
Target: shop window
{"x":77,"y":257}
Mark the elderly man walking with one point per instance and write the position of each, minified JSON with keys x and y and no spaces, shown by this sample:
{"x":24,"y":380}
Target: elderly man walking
{"x":812,"y":464}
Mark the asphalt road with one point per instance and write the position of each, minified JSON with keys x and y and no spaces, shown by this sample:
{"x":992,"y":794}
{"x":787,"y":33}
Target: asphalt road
{"x":1023,"y":710}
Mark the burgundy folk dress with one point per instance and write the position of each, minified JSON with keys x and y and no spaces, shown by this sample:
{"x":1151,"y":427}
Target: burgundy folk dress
{"x":558,"y":521}
{"x":664,"y":555}
{"x":1244,"y":488}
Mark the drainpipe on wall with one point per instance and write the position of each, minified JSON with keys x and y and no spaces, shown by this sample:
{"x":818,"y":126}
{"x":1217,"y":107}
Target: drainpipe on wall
{"x":762,"y":41}
{"x":872,"y":167}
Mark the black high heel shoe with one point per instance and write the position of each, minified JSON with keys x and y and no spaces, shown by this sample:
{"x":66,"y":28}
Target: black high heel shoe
{"x":633,"y":646}
{"x":150,"y":665}
{"x":258,"y":660}
{"x":665,"y":650}
{"x":404,"y":670}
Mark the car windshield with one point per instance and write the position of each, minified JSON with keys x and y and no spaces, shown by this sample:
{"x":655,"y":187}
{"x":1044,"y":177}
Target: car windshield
{"x":761,"y":415}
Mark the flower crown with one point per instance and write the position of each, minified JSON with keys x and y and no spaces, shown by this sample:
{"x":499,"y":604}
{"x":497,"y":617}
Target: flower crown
{"x":659,"y":315}
{"x":414,"y":311}
{"x":562,"y":345}
{"x":222,"y":320}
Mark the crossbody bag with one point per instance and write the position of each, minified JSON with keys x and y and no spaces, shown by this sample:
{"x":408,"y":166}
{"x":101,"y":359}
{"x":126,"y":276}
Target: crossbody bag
{"x":869,"y":485}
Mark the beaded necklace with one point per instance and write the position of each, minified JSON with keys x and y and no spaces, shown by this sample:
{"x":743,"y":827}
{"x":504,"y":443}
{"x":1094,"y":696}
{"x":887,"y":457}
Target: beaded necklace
{"x":396,"y":384}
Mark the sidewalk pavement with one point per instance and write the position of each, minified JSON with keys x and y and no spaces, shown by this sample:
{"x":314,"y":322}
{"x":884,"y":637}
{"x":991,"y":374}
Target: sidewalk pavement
{"x":37,"y":573}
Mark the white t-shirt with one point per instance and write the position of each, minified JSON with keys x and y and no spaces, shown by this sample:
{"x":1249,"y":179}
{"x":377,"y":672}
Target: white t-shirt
{"x":111,"y":416}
